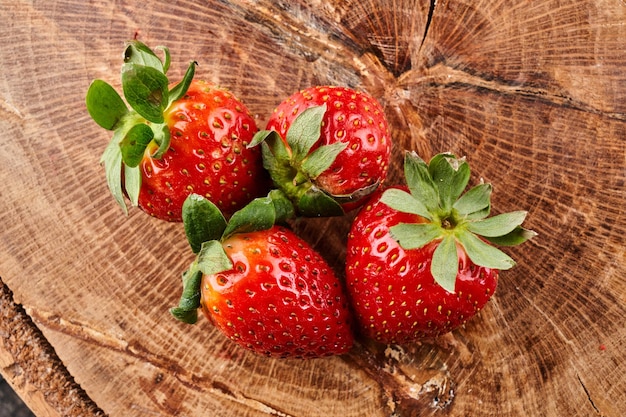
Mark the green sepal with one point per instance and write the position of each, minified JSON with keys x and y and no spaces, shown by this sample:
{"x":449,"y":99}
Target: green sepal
{"x":162,"y":138}
{"x":112,"y":160}
{"x":420,"y":183}
{"x":402,"y":201}
{"x":450,"y":175}
{"x":456,"y":218}
{"x":517,"y":236}
{"x":476,"y":203}
{"x":276,"y":157}
{"x":132,"y":184}
{"x":484,"y":254}
{"x":445,"y":263}
{"x":146,"y":91}
{"x":305,"y":131}
{"x":139,"y":53}
{"x":260,"y":214}
{"x":187,"y":309}
{"x":212,"y":258}
{"x":283,"y":207}
{"x":145,"y":87}
{"x":316,"y":203}
{"x":134,"y":144}
{"x":202,"y":220}
{"x":259,"y":137}
{"x":415,"y":235}
{"x":321,"y":159}
{"x":180,"y":89}
{"x":499,"y":225}
{"x":104,"y":104}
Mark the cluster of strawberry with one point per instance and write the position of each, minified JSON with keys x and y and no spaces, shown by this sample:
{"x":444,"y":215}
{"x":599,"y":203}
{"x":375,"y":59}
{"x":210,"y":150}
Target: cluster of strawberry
{"x":420,"y":257}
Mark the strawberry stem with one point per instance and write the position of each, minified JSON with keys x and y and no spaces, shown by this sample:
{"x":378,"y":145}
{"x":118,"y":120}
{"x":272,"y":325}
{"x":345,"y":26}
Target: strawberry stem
{"x":453,"y":218}
{"x":145,"y":88}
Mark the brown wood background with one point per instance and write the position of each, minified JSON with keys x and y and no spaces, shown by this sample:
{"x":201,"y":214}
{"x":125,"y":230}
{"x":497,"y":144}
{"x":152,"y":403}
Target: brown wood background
{"x":533,"y":92}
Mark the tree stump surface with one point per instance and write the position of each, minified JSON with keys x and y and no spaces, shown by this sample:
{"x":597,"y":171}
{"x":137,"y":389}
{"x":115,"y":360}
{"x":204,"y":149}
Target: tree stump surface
{"x":532,"y":92}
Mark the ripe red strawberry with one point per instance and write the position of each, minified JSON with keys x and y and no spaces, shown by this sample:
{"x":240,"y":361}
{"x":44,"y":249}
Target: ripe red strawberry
{"x":172,"y":142}
{"x":333,"y":149}
{"x":416,"y":266}
{"x":261,"y":285}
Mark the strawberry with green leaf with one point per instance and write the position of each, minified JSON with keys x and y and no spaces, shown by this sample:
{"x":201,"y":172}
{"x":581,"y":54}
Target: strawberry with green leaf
{"x":327,"y":148}
{"x":260,"y":284}
{"x":421,"y":259}
{"x":174,"y":140}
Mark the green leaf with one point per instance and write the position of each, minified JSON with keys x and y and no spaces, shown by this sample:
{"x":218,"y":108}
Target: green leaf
{"x":162,"y":137}
{"x":283,"y":207}
{"x":132,"y":184}
{"x":484,"y":254}
{"x":180,"y":89}
{"x":415,"y":235}
{"x":202,"y":221}
{"x":276,"y":157}
{"x":139,"y":53}
{"x":187,"y":309}
{"x":259,"y":214}
{"x":104,"y":104}
{"x":517,"y":236}
{"x":212,"y":258}
{"x":475,"y":203}
{"x":419,"y":182}
{"x":166,"y":57}
{"x":305,"y":131}
{"x":146,"y":91}
{"x":445,"y":263}
{"x":316,"y":203}
{"x":112,"y":161}
{"x":402,"y":201}
{"x":499,"y":225}
{"x":134,"y":143}
{"x":450,"y":175}
{"x":321,"y":159}
{"x":259,"y":137}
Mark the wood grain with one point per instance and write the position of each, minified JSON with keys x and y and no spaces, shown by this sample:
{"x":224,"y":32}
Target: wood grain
{"x":532,"y":92}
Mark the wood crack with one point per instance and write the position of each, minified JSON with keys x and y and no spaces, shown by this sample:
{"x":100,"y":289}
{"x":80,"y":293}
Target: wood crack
{"x":429,"y":19}
{"x":441,"y":75}
{"x":582,"y":384}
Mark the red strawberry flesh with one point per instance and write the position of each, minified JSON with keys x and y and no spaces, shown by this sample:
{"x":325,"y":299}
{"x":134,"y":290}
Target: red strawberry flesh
{"x":396,"y":299}
{"x":280,"y":299}
{"x":209,"y":131}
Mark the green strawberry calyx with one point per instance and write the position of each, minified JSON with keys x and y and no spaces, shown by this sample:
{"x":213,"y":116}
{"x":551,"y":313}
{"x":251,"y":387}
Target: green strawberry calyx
{"x":206,"y":228}
{"x":294,"y":164}
{"x":453,"y":218}
{"x":147,"y":93}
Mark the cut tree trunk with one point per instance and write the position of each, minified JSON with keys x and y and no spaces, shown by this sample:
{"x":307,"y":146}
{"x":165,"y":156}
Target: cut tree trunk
{"x":532,"y":92}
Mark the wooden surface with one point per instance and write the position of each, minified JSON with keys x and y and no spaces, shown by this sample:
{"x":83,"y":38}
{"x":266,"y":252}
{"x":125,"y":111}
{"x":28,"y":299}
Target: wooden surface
{"x":532,"y":92}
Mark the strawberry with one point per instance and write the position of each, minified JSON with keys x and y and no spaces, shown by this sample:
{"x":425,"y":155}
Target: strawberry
{"x":191,"y":137}
{"x":327,"y":148}
{"x":420,"y":259}
{"x":260,"y":284}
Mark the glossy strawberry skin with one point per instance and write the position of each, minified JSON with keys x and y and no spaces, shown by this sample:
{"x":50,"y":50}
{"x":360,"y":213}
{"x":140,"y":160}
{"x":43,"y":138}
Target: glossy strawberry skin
{"x":352,"y":117}
{"x":209,"y":130}
{"x":281,"y":299}
{"x":393,"y":293}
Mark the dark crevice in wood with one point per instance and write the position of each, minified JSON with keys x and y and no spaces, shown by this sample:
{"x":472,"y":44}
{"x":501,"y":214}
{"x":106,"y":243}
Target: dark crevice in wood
{"x":429,"y":20}
{"x":582,"y":384}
